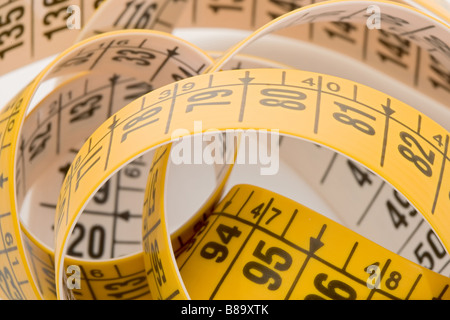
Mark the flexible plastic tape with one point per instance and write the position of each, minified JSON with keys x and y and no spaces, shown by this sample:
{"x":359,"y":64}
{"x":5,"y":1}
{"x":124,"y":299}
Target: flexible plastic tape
{"x":340,"y":114}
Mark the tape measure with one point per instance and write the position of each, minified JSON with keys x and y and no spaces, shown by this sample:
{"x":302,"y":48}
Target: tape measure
{"x":292,"y":251}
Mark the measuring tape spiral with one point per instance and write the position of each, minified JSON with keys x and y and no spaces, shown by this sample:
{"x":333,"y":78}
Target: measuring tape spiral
{"x":97,"y":122}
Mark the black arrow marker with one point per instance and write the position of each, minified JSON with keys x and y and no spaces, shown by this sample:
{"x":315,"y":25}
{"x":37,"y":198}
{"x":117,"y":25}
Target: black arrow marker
{"x":170,"y":54}
{"x":441,"y":294}
{"x":229,"y":202}
{"x":111,"y":128}
{"x":22,"y":147}
{"x":113,"y":80}
{"x":388,"y":111}
{"x":2,"y":180}
{"x":22,"y":157}
{"x":226,"y":205}
{"x":246,"y":82}
{"x":314,"y":245}
{"x":124,"y":215}
{"x":441,"y":175}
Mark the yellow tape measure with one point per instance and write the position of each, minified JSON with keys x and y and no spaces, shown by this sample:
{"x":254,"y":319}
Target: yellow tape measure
{"x":258,"y":232}
{"x":95,"y":123}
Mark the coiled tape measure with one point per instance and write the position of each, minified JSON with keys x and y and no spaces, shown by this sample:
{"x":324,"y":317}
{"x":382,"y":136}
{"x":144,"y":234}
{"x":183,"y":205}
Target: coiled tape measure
{"x":107,"y":125}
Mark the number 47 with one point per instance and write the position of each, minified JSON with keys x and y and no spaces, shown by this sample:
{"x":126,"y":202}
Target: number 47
{"x":257,"y":211}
